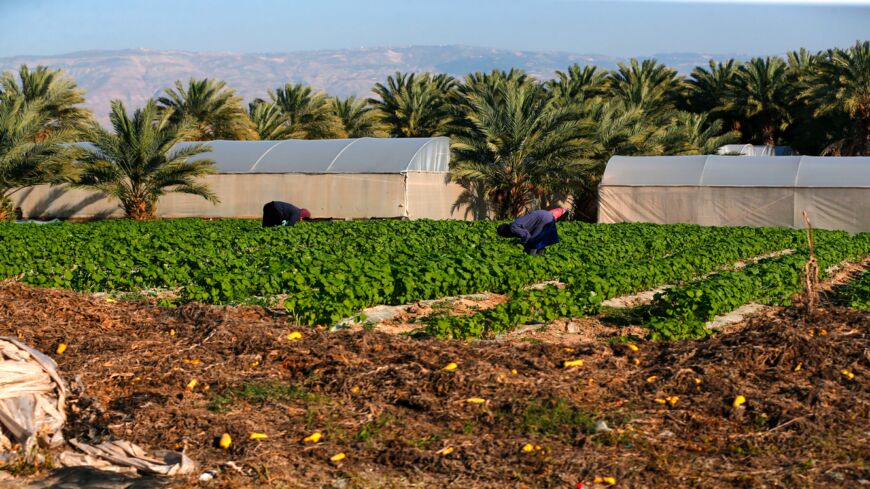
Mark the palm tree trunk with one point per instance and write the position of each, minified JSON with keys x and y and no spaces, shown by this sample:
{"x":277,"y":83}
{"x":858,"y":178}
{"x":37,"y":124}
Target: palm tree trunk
{"x":7,"y":209}
{"x":140,"y":210}
{"x":769,"y":138}
{"x":867,"y":134}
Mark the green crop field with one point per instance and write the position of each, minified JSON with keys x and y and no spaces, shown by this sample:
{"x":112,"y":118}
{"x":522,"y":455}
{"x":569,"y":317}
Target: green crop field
{"x":331,"y":270}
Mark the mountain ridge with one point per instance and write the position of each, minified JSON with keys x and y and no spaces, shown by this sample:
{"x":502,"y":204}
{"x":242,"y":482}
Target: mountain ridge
{"x":135,"y":74}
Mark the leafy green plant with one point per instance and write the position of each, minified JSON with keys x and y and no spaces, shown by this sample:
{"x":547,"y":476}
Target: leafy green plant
{"x":858,"y":292}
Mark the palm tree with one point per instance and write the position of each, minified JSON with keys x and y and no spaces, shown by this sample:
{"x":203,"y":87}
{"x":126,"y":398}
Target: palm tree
{"x":841,"y":84}
{"x":212,"y":110}
{"x":28,"y":155}
{"x":649,"y":85}
{"x":137,"y":162}
{"x":708,"y":90}
{"x":309,"y":113}
{"x":801,"y":62}
{"x":696,"y":134}
{"x":478,"y":81}
{"x":358,"y":119}
{"x":271,"y":124}
{"x":808,"y":133}
{"x":414,"y":105}
{"x":612,"y":128}
{"x":58,"y":95}
{"x":760,"y":93}
{"x":577,"y":85}
{"x":517,"y":146}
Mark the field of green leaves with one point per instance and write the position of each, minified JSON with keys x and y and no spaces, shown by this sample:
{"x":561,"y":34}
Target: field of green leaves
{"x":331,"y":270}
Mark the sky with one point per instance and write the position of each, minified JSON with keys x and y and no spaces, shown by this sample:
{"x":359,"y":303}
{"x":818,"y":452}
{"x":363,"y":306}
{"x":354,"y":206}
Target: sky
{"x":615,"y":27}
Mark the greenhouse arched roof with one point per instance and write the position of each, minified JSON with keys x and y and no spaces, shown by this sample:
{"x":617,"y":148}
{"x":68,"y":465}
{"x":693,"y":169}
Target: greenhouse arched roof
{"x":363,"y":155}
{"x":738,"y":171}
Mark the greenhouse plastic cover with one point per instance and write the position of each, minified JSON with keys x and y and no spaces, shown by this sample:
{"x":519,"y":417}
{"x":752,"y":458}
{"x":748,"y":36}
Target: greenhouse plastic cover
{"x":734,"y":171}
{"x":738,"y":191}
{"x":363,"y":155}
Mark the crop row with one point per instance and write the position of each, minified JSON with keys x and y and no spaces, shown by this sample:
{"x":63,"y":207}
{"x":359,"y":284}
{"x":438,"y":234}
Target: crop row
{"x":588,"y":286}
{"x":684,"y":310}
{"x":858,"y":292}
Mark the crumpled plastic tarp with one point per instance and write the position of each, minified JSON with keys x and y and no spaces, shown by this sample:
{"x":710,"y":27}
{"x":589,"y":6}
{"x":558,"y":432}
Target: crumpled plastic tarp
{"x":122,"y":456}
{"x":32,"y":397}
{"x":32,"y":414}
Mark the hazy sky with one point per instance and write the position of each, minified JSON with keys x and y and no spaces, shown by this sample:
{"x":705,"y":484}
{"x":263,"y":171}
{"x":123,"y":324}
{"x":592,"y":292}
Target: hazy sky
{"x":622,"y":28}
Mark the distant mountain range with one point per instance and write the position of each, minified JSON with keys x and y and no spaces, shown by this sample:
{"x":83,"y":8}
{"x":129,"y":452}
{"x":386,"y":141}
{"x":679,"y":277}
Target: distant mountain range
{"x":134,"y":75}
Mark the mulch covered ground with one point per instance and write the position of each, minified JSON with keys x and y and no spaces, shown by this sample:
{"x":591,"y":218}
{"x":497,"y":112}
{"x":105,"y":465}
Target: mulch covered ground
{"x":402,"y":421}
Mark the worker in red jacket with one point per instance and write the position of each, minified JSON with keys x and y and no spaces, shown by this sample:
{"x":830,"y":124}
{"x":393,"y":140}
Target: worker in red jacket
{"x":277,"y":213}
{"x":536,"y":230}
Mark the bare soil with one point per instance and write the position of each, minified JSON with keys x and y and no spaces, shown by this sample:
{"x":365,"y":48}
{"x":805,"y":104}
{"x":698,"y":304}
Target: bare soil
{"x":386,"y":403}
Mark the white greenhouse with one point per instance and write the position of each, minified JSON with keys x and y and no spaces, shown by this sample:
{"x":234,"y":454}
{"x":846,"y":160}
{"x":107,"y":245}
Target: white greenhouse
{"x":335,"y":178}
{"x":738,"y":191}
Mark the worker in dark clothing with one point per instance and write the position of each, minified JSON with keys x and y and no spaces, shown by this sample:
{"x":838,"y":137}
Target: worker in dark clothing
{"x":536,"y":230}
{"x":277,"y":213}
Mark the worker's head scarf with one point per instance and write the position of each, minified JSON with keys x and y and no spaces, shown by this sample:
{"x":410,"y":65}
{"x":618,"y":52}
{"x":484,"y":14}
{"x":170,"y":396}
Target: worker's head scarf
{"x":304,"y":214}
{"x":504,"y":230}
{"x":557,"y":212}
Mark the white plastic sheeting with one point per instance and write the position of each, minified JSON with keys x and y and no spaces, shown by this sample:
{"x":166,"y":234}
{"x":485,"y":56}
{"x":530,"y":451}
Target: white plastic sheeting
{"x":738,"y":191}
{"x":32,"y":397}
{"x":754,"y":150}
{"x":123,"y":456}
{"x":363,"y":155}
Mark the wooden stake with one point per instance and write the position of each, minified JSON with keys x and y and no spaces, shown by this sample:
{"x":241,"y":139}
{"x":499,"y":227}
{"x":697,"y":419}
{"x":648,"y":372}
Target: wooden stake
{"x":811,"y":273}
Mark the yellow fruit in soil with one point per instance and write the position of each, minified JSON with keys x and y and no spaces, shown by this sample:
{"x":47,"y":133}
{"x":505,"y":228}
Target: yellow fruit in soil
{"x":739,"y":401}
{"x":528,"y":447}
{"x":475,"y":400}
{"x":445,"y":451}
{"x":191,"y":385}
{"x":61,"y":348}
{"x":258,"y":436}
{"x":226,"y":441}
{"x":652,"y":378}
{"x":313,"y":438}
{"x":450,"y":366}
{"x":295,"y":335}
{"x":573,"y":363}
{"x":338,"y":457}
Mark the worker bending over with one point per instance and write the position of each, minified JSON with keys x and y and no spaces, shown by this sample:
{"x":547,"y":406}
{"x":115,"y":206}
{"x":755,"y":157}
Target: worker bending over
{"x":536,"y":230}
{"x":277,"y":213}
